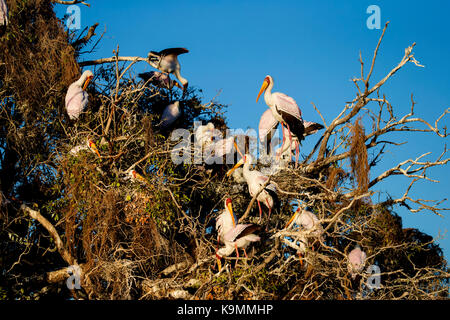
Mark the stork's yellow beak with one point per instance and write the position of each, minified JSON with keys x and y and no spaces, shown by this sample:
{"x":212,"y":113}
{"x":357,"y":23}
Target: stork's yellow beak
{"x":94,"y":148}
{"x":237,"y":149}
{"x":291,"y":219}
{"x":88,"y":79}
{"x":237,"y":165}
{"x":219,"y":263}
{"x":230,"y":210}
{"x":263,"y":88}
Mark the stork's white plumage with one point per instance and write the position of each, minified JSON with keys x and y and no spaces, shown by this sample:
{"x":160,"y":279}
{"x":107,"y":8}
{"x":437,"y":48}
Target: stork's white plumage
{"x":308,"y":221}
{"x":308,"y":225}
{"x":356,"y":261}
{"x":282,"y":109}
{"x":255,"y":180}
{"x":170,"y":114}
{"x":204,"y":135}
{"x":3,"y":13}
{"x":233,"y":235}
{"x":167,"y":61}
{"x":77,"y":97}
{"x":89,"y":145}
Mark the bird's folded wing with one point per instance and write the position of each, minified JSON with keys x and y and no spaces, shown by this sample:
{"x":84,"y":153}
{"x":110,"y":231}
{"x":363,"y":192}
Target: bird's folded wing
{"x":267,"y":123}
{"x":241,"y":230}
{"x":286,"y":104}
{"x":173,"y":51}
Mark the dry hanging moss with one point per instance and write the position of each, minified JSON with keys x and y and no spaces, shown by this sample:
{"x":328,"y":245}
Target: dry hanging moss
{"x":358,"y":157}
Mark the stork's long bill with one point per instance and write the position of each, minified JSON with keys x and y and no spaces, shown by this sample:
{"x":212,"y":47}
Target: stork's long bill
{"x":88,"y":79}
{"x":292,"y":218}
{"x":263,"y":87}
{"x":237,"y":165}
{"x":230,"y":211}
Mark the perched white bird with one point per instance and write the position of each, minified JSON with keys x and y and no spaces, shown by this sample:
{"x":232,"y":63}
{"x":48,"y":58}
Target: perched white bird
{"x":283,"y":109}
{"x":233,"y":235}
{"x":159,"y":79}
{"x":307,"y":220}
{"x":3,"y":13}
{"x":356,"y":261}
{"x":170,"y":114}
{"x":77,"y":97}
{"x":134,"y":176}
{"x":309,"y":226}
{"x":167,"y":61}
{"x":90,"y":145}
{"x":255,"y":180}
{"x":204,"y":135}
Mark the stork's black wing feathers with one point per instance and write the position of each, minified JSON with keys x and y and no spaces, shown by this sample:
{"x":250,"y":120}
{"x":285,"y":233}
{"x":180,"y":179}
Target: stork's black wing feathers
{"x":175,"y":51}
{"x":249,"y":230}
{"x":313,"y":127}
{"x":295,"y":125}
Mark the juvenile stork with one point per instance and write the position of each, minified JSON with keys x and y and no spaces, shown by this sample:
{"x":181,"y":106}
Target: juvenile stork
{"x":255,"y":181}
{"x":167,"y":61}
{"x":283,"y":109}
{"x":77,"y":97}
{"x":356,"y":261}
{"x":233,"y":235}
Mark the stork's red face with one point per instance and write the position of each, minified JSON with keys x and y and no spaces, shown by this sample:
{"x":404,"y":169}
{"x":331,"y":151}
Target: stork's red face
{"x":264,"y":86}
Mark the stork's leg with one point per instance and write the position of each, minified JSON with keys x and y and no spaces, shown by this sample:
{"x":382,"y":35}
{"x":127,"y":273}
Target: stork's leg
{"x":300,"y":256}
{"x":260,"y":211}
{"x":290,"y":135}
{"x":219,"y":263}
{"x":297,"y":153}
{"x":270,"y":211}
{"x":270,"y":208}
{"x":245,"y":253}
{"x":237,"y":255}
{"x":282,"y":131}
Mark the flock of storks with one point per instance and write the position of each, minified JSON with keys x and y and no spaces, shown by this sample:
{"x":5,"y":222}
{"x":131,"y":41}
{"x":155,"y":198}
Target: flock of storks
{"x":282,"y":109}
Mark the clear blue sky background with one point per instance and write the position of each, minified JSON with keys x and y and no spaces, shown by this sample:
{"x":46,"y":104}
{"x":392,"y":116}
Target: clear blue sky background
{"x":311,"y":49}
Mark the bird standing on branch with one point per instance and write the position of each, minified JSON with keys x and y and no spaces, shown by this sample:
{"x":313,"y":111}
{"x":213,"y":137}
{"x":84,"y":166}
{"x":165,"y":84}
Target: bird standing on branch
{"x":255,"y":181}
{"x":167,"y":61}
{"x":77,"y":97}
{"x":170,"y":114}
{"x":159,"y":79}
{"x":284,"y":110}
{"x":233,"y":235}
{"x":90,"y":145}
{"x":309,"y":223}
{"x":356,"y":261}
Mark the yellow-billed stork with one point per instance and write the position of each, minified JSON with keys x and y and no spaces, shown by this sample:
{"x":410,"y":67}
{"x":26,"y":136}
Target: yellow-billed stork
{"x":233,"y":235}
{"x":77,"y":97}
{"x":255,"y":181}
{"x":167,"y":61}
{"x":283,"y":109}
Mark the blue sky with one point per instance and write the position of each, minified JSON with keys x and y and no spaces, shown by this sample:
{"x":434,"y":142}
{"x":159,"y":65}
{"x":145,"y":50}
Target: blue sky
{"x":311,"y":49}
